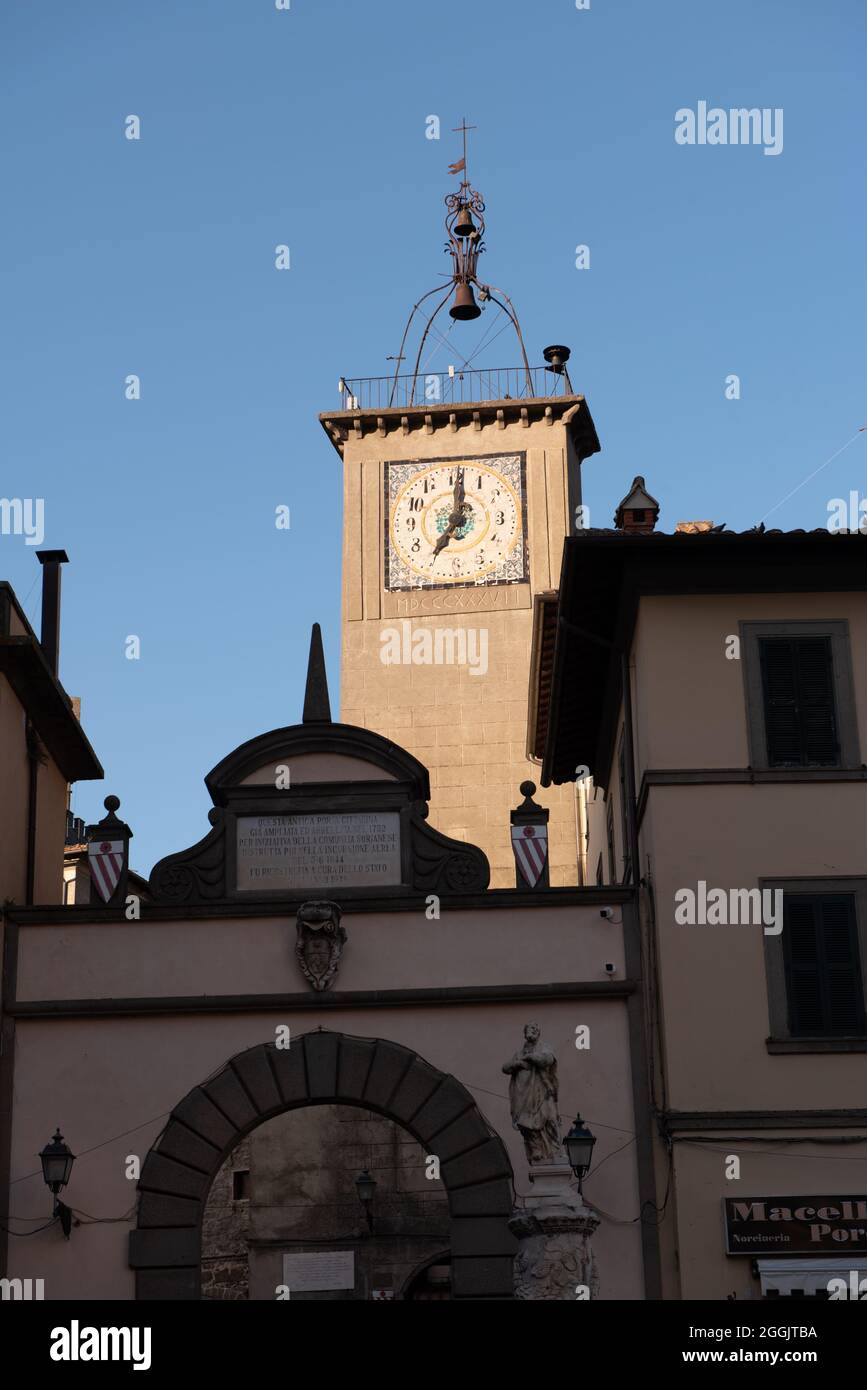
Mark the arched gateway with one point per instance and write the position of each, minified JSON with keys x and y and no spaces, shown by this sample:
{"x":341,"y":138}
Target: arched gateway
{"x":317,"y":1069}
{"x":321,"y":895}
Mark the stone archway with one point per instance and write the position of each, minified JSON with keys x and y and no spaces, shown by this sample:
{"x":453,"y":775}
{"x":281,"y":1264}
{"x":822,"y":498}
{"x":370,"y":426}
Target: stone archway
{"x":419,"y":1272}
{"x":324,"y":1068}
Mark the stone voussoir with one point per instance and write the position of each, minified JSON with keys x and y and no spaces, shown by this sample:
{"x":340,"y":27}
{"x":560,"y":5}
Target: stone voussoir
{"x":199,"y":1113}
{"x":255,"y":1073}
{"x":164,"y":1249}
{"x":356,"y":1056}
{"x":468,"y":1131}
{"x":390,"y":1065}
{"x":177,"y":1142}
{"x":447,"y":1103}
{"x":291,"y":1072}
{"x":320,"y":1050}
{"x":480,"y":1165}
{"x":482,"y":1235}
{"x":415,"y":1089}
{"x":162,"y":1174}
{"x":157,"y":1210}
{"x":227,"y":1093}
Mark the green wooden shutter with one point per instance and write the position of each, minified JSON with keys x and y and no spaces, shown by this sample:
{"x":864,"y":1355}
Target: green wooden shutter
{"x":823,"y":974}
{"x":800,"y":714}
{"x":844,"y":992}
{"x":803,"y":981}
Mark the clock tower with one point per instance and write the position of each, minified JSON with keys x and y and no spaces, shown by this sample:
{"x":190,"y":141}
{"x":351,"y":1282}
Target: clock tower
{"x":459,"y":488}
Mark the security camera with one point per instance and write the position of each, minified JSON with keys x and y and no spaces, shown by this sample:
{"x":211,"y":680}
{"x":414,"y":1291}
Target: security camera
{"x":606,"y":912}
{"x":610,"y":969}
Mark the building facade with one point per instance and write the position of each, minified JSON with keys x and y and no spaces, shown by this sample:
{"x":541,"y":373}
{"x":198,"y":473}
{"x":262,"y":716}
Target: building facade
{"x":714,"y":687}
{"x":43,"y":748}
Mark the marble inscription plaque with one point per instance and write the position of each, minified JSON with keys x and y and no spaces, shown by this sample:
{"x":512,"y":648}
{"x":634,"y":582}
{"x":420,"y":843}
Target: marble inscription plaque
{"x":310,"y":1271}
{"x":356,"y":849}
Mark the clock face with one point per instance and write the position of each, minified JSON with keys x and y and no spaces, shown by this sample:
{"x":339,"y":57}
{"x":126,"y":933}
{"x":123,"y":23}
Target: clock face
{"x":452,"y":522}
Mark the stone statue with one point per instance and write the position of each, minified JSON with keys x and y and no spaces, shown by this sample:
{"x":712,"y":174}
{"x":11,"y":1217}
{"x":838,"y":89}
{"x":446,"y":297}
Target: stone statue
{"x":533,"y":1098}
{"x":319,"y":942}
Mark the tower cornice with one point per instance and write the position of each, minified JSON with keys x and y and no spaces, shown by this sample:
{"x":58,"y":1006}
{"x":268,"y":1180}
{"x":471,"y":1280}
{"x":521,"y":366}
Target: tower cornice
{"x":571,"y":411}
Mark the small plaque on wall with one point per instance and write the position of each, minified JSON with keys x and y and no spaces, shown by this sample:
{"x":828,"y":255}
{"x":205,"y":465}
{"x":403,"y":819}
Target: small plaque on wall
{"x":316,"y":1271}
{"x":355,"y":849}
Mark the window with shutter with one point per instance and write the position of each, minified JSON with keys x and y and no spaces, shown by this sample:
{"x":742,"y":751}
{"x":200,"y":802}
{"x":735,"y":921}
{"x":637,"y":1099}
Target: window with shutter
{"x":823,"y":972}
{"x":799,"y":705}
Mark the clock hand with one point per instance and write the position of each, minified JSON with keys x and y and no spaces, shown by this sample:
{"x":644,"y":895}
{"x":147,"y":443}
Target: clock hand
{"x":444,"y":538}
{"x":456,"y":516}
{"x":456,"y":519}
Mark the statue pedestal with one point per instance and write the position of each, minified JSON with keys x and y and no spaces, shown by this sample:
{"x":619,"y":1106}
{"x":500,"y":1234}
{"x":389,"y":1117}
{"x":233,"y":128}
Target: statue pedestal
{"x":553,"y":1227}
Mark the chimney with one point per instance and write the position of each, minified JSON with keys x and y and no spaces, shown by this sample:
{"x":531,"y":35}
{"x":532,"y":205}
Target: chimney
{"x":49,"y":637}
{"x":638,"y":512}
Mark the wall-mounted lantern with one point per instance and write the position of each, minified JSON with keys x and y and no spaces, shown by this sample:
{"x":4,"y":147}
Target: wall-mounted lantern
{"x":365,"y":1186}
{"x":57,"y":1159}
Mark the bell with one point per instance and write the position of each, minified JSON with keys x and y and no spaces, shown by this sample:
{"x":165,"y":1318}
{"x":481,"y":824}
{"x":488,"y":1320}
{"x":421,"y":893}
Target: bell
{"x":465,"y":226}
{"x":465,"y":306}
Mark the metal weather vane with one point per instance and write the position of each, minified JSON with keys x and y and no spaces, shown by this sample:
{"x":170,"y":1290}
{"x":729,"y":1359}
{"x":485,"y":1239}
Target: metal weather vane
{"x":465,"y":229}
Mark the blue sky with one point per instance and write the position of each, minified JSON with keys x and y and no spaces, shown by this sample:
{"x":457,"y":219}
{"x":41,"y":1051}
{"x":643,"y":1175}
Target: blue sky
{"x":307,"y":127}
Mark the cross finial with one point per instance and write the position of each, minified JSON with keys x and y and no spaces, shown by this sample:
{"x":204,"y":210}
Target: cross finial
{"x":462,"y":129}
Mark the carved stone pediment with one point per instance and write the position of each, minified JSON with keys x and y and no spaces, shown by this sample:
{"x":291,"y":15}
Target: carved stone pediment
{"x":364,"y":838}
{"x":319,"y":811}
{"x":194,"y":875}
{"x":443,"y":865}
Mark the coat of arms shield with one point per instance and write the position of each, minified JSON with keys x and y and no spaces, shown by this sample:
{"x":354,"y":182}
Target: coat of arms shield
{"x":105,"y":858}
{"x":530,"y":846}
{"x":319,"y":942}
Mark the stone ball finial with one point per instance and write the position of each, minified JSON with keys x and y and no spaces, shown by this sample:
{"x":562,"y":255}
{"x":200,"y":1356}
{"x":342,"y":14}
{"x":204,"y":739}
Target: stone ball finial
{"x":111,"y":803}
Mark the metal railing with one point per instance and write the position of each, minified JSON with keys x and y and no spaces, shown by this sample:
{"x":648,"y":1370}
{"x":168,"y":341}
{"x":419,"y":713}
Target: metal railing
{"x":459,"y":386}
